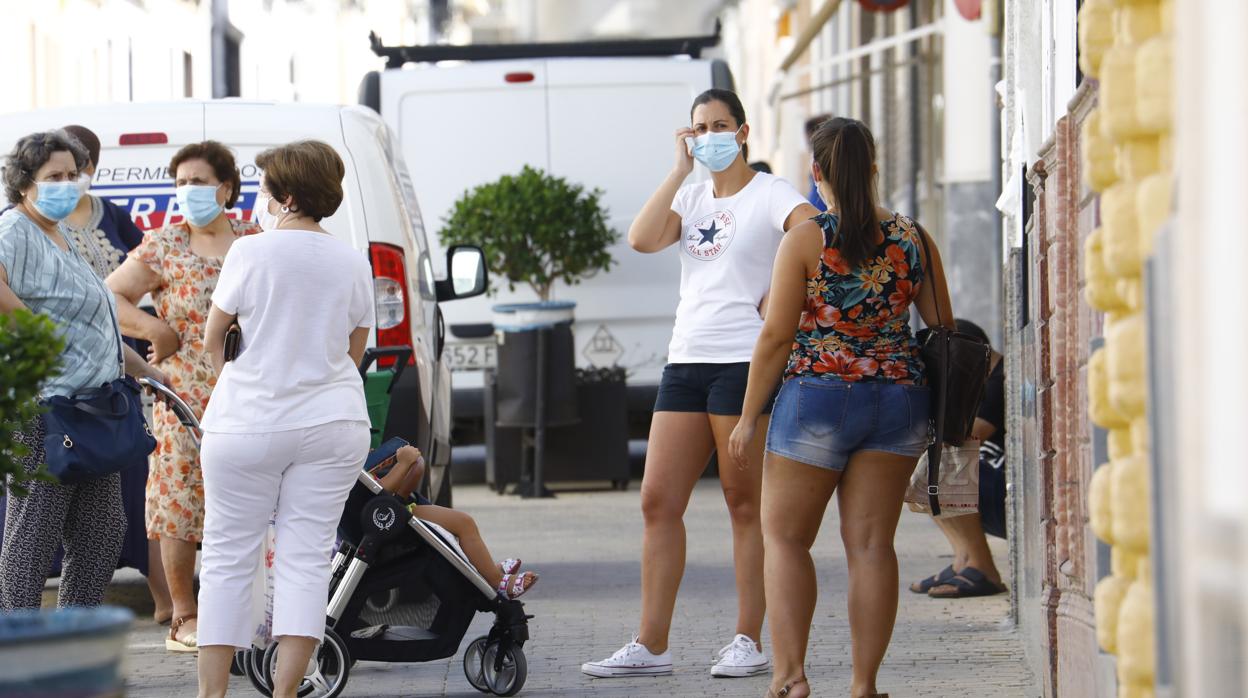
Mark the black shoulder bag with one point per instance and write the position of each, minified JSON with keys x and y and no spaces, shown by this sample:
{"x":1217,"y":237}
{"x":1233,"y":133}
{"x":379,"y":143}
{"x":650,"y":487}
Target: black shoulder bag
{"x":956,"y":367}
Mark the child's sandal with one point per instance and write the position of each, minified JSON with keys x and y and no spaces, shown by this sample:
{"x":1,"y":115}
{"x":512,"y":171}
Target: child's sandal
{"x":513,"y":585}
{"x":510,"y":566}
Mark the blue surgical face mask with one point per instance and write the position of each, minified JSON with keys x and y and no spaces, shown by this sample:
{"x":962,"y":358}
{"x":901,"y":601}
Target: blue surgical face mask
{"x":57,"y":199}
{"x":716,"y":150}
{"x":198,"y":203}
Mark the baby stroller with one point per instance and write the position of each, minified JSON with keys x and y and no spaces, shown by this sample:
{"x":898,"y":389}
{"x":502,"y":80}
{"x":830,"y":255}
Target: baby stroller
{"x":400,"y":591}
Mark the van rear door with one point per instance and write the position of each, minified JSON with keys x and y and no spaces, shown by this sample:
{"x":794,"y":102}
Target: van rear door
{"x":612,"y":127}
{"x":464,"y":126}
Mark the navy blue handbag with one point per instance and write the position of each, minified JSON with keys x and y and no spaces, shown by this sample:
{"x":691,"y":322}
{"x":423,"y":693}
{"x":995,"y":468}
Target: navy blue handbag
{"x":96,"y":432}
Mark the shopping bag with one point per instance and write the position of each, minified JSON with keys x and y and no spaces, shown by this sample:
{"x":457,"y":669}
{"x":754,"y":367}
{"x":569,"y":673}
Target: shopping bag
{"x":958,"y":488}
{"x":262,"y":590}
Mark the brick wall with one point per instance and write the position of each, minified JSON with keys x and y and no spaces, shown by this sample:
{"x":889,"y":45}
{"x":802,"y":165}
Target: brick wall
{"x":1063,"y":327}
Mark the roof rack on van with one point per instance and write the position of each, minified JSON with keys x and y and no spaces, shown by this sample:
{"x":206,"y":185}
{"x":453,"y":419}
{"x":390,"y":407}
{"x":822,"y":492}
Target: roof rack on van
{"x":397,"y":56}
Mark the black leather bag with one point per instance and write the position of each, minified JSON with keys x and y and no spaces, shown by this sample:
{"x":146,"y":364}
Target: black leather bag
{"x":956,"y":366}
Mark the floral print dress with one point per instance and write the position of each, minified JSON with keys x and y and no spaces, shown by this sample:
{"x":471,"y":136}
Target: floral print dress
{"x":856,"y":324}
{"x":175,"y":486}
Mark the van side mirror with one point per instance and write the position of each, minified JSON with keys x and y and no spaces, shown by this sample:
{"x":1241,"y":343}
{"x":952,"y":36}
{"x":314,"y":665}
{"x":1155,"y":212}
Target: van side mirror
{"x":466,"y":275}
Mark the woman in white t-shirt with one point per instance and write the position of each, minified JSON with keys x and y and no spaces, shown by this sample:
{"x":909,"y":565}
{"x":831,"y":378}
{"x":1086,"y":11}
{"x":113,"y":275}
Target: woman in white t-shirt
{"x":727,"y":230}
{"x":287,"y":426}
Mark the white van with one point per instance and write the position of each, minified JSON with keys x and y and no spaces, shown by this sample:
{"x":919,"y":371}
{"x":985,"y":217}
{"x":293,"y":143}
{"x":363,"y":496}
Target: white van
{"x":598,"y":114}
{"x":379,"y":216}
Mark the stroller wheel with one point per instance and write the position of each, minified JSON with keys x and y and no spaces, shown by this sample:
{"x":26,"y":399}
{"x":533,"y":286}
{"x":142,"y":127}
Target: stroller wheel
{"x":252,"y":661}
{"x":474,"y":669}
{"x":327,"y":673}
{"x":505,"y":671}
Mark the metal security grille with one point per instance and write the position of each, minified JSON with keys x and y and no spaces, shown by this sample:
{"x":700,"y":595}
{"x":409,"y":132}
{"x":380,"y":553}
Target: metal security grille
{"x":884,"y":69}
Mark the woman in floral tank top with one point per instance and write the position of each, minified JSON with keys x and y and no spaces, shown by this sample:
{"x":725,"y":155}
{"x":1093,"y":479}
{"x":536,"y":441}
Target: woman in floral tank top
{"x":851,"y":418}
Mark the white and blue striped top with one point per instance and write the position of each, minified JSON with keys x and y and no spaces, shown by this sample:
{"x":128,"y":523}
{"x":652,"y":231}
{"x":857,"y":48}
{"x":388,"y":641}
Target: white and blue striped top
{"x":62,"y":286}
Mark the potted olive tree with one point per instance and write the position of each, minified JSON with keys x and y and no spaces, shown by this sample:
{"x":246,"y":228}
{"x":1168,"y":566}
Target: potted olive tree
{"x":71,"y":651}
{"x":536,"y":230}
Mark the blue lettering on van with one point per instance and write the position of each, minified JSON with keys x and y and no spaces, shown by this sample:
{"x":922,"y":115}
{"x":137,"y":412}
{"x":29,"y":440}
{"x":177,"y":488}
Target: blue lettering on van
{"x":154,"y":207}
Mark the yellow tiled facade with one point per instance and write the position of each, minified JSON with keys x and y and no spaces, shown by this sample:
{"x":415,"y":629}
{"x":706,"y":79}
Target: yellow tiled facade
{"x":1128,"y":46}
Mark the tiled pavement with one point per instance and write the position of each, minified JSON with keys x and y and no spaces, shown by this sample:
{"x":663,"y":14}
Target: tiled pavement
{"x":586,"y":545}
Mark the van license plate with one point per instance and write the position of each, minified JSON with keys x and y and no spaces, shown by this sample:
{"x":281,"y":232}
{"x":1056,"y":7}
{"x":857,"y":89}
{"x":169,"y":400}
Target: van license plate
{"x":472,"y":356}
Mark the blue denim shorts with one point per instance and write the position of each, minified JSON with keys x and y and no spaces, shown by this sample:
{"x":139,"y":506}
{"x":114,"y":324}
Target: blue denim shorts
{"x":823,"y":421}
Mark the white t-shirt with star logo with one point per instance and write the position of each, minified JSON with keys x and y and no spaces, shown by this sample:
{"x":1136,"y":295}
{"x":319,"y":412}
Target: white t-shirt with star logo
{"x":727,"y":248}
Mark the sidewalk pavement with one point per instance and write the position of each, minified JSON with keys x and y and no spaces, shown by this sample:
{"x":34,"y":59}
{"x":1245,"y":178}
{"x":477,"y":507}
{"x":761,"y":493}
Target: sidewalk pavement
{"x":586,"y":546}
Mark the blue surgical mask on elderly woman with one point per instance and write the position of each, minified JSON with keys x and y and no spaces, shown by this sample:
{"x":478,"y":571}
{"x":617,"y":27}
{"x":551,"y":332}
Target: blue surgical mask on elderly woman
{"x":57,"y":199}
{"x":716,"y":150}
{"x":198,"y":203}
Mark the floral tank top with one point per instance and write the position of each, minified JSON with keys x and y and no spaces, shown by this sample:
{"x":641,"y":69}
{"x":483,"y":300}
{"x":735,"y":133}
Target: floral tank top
{"x":856,"y":324}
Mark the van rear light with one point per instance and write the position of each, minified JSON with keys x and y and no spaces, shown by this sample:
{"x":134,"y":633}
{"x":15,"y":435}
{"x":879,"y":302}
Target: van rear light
{"x":518,"y":77}
{"x":394,"y":325}
{"x":143,"y":139}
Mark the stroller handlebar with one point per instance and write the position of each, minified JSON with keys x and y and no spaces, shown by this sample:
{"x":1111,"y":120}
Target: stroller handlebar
{"x":175,"y":402}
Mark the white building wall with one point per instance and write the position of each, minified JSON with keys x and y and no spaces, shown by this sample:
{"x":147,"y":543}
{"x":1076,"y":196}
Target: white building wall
{"x":82,"y":52}
{"x":967,"y":99}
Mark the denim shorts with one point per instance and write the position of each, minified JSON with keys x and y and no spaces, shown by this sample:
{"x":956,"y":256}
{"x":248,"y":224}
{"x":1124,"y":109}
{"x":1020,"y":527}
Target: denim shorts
{"x":710,"y":388}
{"x":823,"y":421}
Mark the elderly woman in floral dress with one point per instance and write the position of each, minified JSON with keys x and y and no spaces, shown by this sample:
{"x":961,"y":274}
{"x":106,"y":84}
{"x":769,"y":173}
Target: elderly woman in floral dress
{"x":179,"y":266}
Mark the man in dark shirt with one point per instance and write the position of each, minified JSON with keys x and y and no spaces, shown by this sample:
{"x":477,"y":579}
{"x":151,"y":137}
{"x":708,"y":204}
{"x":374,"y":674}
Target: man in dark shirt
{"x":812,"y":125}
{"x":973,"y":572}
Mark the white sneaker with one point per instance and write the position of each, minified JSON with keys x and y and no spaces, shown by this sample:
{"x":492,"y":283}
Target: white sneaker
{"x":632,"y":659}
{"x":740,"y":658}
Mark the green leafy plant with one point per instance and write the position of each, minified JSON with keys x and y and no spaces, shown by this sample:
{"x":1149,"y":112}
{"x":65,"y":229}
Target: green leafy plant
{"x":535,"y":229}
{"x":29,"y":350}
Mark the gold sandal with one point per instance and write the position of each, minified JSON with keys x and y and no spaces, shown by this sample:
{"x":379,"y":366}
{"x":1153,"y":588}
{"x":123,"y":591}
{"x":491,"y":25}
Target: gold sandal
{"x":190,"y":643}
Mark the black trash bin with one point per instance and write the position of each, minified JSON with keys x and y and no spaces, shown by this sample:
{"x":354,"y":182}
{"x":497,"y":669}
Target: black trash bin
{"x":521,"y":329}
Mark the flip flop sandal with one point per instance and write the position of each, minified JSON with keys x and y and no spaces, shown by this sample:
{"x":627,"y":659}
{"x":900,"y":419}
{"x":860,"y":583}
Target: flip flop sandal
{"x":189,"y":643}
{"x":513,"y":586}
{"x":922,"y":587}
{"x":968,"y":583}
{"x":786,"y":689}
{"x":510,"y":566}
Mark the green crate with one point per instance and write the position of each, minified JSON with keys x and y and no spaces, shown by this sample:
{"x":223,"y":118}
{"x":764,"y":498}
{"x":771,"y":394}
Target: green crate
{"x":377,"y":397}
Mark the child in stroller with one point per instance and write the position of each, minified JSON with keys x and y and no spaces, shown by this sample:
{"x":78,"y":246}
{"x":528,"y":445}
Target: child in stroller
{"x":402,"y":473}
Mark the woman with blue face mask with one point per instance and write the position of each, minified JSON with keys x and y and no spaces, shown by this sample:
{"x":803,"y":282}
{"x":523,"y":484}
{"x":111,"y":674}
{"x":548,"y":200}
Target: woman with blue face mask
{"x":727,"y":229}
{"x":179,"y":265}
{"x":41,"y":270}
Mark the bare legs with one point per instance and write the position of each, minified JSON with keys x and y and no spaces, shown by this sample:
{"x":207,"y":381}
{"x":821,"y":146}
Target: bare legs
{"x":465,"y":529}
{"x":178,"y":558}
{"x":214,"y":670}
{"x":870,"y":499}
{"x":795,"y":496}
{"x":743,"y":495}
{"x":680,"y":446}
{"x":293,"y":654}
{"x":970,"y":547}
{"x":157,"y":584}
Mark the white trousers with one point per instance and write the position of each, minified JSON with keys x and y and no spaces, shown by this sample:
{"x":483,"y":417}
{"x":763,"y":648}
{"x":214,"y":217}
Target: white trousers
{"x":303,"y":474}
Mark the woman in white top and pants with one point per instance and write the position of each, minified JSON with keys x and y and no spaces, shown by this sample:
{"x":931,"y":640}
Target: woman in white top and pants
{"x":287,"y":426}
